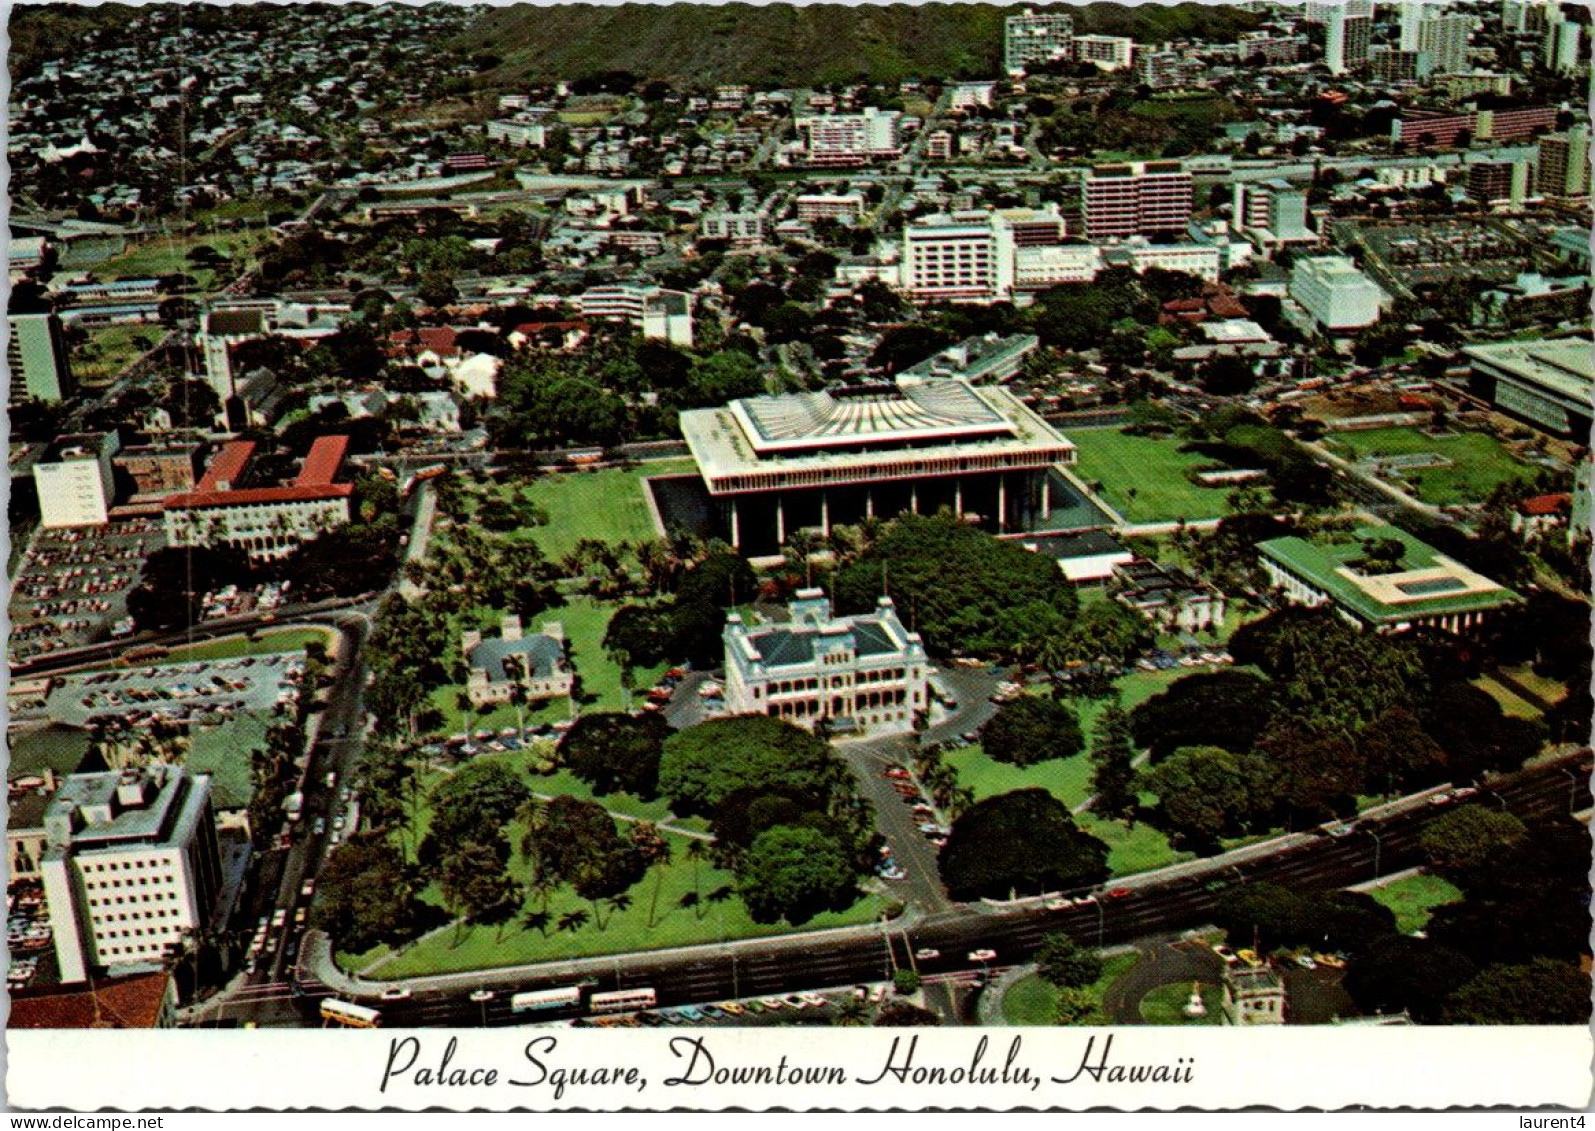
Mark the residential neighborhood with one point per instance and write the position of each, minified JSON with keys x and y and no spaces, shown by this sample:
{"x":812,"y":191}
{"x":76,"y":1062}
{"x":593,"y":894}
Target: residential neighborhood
{"x":962,"y":516}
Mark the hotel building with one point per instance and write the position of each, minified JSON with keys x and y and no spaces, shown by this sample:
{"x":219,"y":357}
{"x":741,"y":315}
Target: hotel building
{"x":1036,"y":37}
{"x":1137,"y":199}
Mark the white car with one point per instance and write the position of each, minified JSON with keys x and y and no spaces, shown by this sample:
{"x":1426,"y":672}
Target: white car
{"x":481,"y":995}
{"x":396,"y":993}
{"x":982,"y":955}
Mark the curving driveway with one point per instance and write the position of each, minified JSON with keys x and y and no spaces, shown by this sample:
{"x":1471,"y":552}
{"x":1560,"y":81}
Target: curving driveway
{"x":1161,"y":964}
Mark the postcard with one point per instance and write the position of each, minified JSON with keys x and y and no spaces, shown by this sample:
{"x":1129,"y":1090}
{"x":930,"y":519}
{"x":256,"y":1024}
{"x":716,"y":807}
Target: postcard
{"x":853,"y":557}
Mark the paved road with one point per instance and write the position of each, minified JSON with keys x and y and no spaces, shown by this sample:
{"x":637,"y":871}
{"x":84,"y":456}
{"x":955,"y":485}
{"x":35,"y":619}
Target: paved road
{"x":895,"y":820}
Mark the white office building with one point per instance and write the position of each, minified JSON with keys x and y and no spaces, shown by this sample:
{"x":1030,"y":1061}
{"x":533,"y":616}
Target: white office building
{"x":1272,"y":214}
{"x":75,"y":481}
{"x":1347,"y":42}
{"x":1563,"y":44}
{"x":963,"y":257}
{"x":852,"y":139}
{"x":1337,"y":295}
{"x":662,"y":315}
{"x":735,"y":227}
{"x":1037,"y":268}
{"x":863,"y":674}
{"x":131,"y":863}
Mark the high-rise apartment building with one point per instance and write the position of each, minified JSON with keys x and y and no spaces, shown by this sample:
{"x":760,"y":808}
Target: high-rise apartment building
{"x":1500,"y":182}
{"x":1563,"y":44}
{"x":1036,"y":37}
{"x":1564,"y":164}
{"x":130,"y":863}
{"x":1346,"y":45}
{"x":1140,"y":198}
{"x":1412,"y":12}
{"x":36,"y":353}
{"x":1321,"y":11}
{"x":1444,"y":38}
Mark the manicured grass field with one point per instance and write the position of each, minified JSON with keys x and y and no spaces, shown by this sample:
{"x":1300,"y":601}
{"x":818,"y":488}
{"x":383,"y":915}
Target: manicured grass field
{"x":1547,"y":689}
{"x":228,"y":647}
{"x":169,"y":256}
{"x":223,"y":752}
{"x":1143,"y":477}
{"x":607,"y":505}
{"x":1034,"y":1001}
{"x":1166,"y":1005}
{"x":1413,"y":898}
{"x":683,"y":903}
{"x":1478,"y":462}
{"x":1511,"y":703}
{"x":1140,"y":848}
{"x":109,"y":350}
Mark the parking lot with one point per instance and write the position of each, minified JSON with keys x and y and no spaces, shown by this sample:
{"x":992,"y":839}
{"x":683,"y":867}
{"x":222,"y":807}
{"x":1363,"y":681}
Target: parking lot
{"x":204,"y":691}
{"x":27,"y":935}
{"x":71,"y":586}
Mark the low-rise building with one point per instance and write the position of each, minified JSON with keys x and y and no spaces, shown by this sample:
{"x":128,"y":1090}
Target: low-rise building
{"x":1387,"y":592}
{"x":986,"y":359}
{"x":1253,"y":995}
{"x":659,"y":313}
{"x":743,"y":228}
{"x":1170,"y":598}
{"x":862,"y":674}
{"x":1337,"y":295}
{"x":498,"y":666}
{"x":265,"y":522}
{"x":1544,"y":382}
{"x":131,"y":863}
{"x":1087,"y":557}
{"x":138,"y":1001}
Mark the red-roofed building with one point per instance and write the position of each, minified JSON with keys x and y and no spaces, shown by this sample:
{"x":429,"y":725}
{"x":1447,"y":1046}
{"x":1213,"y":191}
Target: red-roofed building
{"x":426,"y":344}
{"x":1540,"y":513}
{"x":266,"y":522}
{"x":140,"y":1001}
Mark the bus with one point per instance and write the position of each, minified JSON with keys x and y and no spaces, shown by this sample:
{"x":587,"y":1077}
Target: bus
{"x":623,"y":1001}
{"x":349,"y":1015}
{"x":538,"y":1001}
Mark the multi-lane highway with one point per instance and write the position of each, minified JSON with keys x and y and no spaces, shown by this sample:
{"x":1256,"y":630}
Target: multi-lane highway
{"x":761,"y":967}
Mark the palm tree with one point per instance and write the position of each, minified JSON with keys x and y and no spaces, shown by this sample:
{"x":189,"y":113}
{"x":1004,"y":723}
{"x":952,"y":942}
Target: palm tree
{"x":537,"y":919}
{"x":852,"y":1013}
{"x":573,"y":921}
{"x":620,"y":901}
{"x":800,"y":547}
{"x":696,"y":851}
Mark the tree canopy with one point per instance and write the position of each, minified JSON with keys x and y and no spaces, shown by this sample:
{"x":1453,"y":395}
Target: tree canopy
{"x":960,"y":588}
{"x":1032,"y":729}
{"x":473,"y":806}
{"x":1022,"y":841}
{"x":703,"y":765}
{"x":794,"y":873}
{"x":366,"y":894}
{"x":1227,"y":709}
{"x":1207,"y":792}
{"x":1542,"y":992}
{"x":616,"y":753}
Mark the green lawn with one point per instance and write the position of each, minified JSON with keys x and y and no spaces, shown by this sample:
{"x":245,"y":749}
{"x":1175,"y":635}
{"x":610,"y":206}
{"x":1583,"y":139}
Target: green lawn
{"x":109,"y":350}
{"x":607,"y":504}
{"x":655,"y":918}
{"x":1131,"y":849}
{"x":1143,"y":477}
{"x":1166,"y":1005}
{"x":169,"y":256}
{"x":1413,"y":898}
{"x":1547,"y":689}
{"x":1034,"y":1001}
{"x":1478,"y":462}
{"x":228,"y":647}
{"x":58,"y":748}
{"x":223,"y":752}
{"x":1511,"y":703}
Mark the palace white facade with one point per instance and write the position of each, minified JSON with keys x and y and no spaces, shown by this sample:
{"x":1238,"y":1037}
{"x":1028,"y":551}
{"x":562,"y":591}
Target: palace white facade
{"x":862,"y":674}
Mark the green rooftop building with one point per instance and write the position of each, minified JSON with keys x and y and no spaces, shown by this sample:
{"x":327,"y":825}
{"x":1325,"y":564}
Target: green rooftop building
{"x":1423,"y":589}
